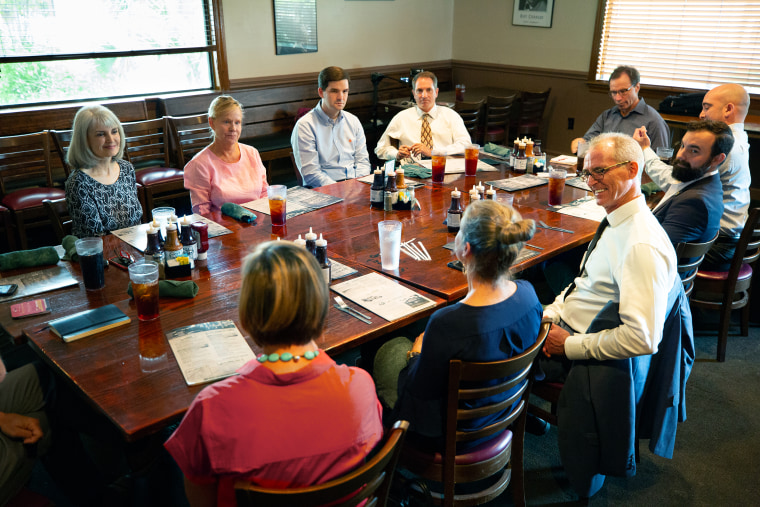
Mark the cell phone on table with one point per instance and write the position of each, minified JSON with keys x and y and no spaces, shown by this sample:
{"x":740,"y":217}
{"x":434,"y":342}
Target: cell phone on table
{"x":8,"y":289}
{"x":457,"y":264}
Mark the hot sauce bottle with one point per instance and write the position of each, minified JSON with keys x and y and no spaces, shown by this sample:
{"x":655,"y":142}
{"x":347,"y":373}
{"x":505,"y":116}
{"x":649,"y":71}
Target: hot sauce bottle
{"x":454,"y":215}
{"x":324,"y":262}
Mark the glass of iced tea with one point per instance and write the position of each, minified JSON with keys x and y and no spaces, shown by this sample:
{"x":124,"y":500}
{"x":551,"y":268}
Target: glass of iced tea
{"x":556,"y":185}
{"x":144,"y":278}
{"x":278,"y":195}
{"x":471,"y":159}
{"x":439,"y":165}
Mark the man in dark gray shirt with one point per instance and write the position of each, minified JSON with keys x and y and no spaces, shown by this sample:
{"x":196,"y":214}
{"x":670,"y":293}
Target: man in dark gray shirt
{"x":630,"y":112}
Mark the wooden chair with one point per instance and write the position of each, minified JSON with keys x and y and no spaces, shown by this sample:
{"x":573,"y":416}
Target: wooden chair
{"x":493,"y":459}
{"x":530,"y":119}
{"x":498,"y":118}
{"x":148,"y":149}
{"x":729,"y":290}
{"x":58,"y":213}
{"x":61,"y":141}
{"x":299,"y":176}
{"x":690,"y":256}
{"x":7,"y":224}
{"x":189,"y":135}
{"x":370,"y":481}
{"x":26,"y":180}
{"x":471,"y":115}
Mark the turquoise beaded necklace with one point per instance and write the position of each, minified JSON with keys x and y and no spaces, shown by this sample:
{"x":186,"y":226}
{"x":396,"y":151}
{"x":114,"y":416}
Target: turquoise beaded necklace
{"x":286,"y":356}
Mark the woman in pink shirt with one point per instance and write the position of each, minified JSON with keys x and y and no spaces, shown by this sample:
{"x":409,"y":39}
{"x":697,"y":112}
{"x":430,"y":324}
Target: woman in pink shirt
{"x":225,"y":170}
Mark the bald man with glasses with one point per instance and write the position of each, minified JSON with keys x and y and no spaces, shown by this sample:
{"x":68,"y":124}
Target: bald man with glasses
{"x":629,"y":113}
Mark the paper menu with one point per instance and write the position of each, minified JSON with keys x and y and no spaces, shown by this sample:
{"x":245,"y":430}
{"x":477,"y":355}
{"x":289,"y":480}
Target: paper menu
{"x":383,"y":296}
{"x":300,"y":200}
{"x":209,"y":351}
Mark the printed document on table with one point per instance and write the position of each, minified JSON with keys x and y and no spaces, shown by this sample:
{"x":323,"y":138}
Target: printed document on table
{"x":456,"y":165}
{"x":518,"y":182}
{"x":209,"y":351}
{"x":383,"y":296}
{"x":36,"y":282}
{"x":585,"y":207}
{"x":137,"y":235}
{"x":300,"y":200}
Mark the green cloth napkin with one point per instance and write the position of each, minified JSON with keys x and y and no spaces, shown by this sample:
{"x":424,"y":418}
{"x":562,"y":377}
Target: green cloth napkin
{"x":649,"y":188}
{"x":416,"y":171}
{"x":496,"y":149}
{"x":173,"y":289}
{"x":29,"y":258}
{"x":68,"y":244}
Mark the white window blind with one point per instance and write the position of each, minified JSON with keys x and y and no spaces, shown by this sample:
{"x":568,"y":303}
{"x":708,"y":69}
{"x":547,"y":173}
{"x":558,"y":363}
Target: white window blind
{"x":683,"y":43}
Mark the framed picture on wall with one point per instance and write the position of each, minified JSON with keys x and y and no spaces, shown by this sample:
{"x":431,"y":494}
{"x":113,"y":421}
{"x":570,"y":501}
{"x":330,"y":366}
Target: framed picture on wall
{"x":295,"y":26}
{"x":533,"y":13}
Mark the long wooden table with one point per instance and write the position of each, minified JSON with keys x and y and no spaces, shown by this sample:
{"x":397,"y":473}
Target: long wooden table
{"x":141,"y":390}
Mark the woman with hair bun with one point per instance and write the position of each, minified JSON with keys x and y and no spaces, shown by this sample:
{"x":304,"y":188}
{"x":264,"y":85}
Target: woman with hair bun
{"x":497,"y":319}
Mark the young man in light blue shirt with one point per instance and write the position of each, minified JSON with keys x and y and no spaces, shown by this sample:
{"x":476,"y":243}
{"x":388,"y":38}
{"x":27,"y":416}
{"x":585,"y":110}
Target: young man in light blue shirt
{"x":329,"y":143}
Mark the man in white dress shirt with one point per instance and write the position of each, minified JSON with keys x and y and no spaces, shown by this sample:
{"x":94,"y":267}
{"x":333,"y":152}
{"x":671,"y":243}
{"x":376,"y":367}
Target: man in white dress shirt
{"x":445,"y":128}
{"x":728,"y":103}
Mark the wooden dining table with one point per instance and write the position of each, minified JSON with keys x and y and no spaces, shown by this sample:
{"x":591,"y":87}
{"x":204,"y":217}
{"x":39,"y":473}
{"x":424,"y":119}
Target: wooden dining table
{"x":130,"y":374}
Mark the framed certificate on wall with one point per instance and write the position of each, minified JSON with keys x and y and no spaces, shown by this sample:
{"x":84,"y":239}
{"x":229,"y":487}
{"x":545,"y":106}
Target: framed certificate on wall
{"x":533,"y":13}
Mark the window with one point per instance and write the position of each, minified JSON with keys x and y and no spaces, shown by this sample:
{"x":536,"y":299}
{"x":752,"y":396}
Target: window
{"x":66,"y":50}
{"x":680,"y":43}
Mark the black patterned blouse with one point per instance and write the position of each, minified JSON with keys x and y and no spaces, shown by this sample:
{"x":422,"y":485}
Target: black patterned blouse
{"x":96,"y":209}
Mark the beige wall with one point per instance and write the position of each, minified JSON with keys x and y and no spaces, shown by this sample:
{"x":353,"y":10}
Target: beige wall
{"x":351,"y":34}
{"x":483,"y":32}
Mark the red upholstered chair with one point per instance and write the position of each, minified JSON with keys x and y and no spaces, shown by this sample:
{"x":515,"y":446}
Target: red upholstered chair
{"x":370,"y":481}
{"x":729,"y":290}
{"x":148,"y":149}
{"x":500,"y":458}
{"x":471,"y":113}
{"x":530,"y":119}
{"x":189,"y":135}
{"x":498,"y":118}
{"x":26,"y":180}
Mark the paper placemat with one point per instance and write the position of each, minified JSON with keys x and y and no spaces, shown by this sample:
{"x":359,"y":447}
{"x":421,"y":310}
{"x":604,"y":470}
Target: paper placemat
{"x":518,"y":183}
{"x":585,"y":207}
{"x":381,"y":295}
{"x":300,"y":201}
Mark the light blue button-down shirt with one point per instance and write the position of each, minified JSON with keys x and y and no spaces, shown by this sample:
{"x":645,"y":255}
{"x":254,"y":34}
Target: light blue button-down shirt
{"x":329,"y":150}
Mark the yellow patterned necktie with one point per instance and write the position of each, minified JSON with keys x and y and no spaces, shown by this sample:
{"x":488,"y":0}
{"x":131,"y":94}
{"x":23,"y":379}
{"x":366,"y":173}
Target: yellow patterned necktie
{"x":426,"y":136}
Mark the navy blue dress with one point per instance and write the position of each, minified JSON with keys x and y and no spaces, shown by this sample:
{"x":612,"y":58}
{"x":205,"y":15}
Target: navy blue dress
{"x":470,"y":333}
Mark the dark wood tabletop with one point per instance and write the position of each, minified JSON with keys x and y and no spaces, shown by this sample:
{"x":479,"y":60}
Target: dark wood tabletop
{"x":143,"y":392}
{"x":129,"y":373}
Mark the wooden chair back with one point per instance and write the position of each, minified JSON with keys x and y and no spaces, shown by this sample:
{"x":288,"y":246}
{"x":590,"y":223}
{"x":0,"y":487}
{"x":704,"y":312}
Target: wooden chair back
{"x":531,"y":115}
{"x":189,"y":135}
{"x":498,"y":117}
{"x":58,"y":213}
{"x":690,"y":256}
{"x":471,"y":113}
{"x":510,"y":375}
{"x":61,"y":141}
{"x":370,"y":482}
{"x":299,"y":176}
{"x":24,"y":162}
{"x":147,"y":143}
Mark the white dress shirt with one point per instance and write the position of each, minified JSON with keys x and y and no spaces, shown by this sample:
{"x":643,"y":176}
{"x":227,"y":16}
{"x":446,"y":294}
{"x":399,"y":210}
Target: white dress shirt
{"x":734,"y":176}
{"x":327,"y":150}
{"x":634,"y":264}
{"x":449,"y":132}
